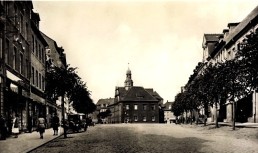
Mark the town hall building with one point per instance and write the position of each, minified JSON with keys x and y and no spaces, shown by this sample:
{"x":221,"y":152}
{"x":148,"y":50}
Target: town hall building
{"x":135,"y":104}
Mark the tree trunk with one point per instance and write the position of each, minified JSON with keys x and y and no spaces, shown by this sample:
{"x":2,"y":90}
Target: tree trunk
{"x":216,"y":115}
{"x":234,"y":116}
{"x":191,"y":117}
{"x":63,"y":117}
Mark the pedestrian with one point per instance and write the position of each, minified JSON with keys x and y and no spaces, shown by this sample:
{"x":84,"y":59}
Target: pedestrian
{"x":9,"y":125}
{"x":41,"y":125}
{"x":29,"y":124}
{"x":15,"y":126}
{"x":55,"y":124}
{"x":3,"y":128}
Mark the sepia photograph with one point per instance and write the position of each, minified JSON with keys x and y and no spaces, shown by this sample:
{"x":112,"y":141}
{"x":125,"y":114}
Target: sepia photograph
{"x":128,"y":76}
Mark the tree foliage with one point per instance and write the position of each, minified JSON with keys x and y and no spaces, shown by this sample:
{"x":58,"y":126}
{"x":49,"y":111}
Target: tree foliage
{"x":61,"y":81}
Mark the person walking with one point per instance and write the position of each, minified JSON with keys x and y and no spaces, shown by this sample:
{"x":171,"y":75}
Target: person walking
{"x":15,"y":126}
{"x":41,"y":125}
{"x":55,"y":124}
{"x":29,"y":124}
{"x":3,"y":128}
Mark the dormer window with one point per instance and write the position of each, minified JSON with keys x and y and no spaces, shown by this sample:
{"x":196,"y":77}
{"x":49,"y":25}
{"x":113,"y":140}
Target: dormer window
{"x":139,"y":96}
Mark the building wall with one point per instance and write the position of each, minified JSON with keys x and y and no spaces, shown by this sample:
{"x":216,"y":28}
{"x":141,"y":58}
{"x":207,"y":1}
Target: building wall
{"x":139,"y":115}
{"x":228,"y":52}
{"x":15,"y":57}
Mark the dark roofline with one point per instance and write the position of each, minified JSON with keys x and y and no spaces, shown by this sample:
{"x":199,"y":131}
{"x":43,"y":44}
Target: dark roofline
{"x":242,"y":27}
{"x":233,"y":24}
{"x":225,"y":30}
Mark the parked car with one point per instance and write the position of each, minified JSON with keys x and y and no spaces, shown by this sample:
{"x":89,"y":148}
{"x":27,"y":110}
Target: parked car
{"x":77,"y":122}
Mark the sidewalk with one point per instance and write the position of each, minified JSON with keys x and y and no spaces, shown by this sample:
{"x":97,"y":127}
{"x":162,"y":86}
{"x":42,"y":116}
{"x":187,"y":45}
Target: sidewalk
{"x":242,"y":125}
{"x":27,"y":141}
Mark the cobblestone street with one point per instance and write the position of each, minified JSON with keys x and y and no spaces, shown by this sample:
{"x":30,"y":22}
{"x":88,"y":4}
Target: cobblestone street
{"x":130,"y":138}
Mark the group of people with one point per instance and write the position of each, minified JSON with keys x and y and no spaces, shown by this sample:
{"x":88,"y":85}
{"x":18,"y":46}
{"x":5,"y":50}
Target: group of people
{"x":12,"y":127}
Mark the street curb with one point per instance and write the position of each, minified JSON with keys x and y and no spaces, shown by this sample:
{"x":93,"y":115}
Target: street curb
{"x":30,"y":150}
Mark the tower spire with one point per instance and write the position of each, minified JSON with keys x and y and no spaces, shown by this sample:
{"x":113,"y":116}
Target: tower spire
{"x":128,"y":80}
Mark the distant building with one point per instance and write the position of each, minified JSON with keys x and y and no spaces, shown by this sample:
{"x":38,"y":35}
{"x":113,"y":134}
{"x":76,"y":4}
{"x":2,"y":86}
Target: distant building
{"x":135,"y":104}
{"x":103,"y":103}
{"x":169,"y":117}
{"x":102,"y":106}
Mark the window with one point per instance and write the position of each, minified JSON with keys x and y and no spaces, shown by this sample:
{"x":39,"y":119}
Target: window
{"x":21,"y":64}
{"x":127,"y":107}
{"x":27,"y":68}
{"x":43,"y":83}
{"x":37,"y":78}
{"x":152,"y":107}
{"x":15,"y":13}
{"x":1,"y":47}
{"x":32,"y":75}
{"x":7,"y":8}
{"x":144,"y":107}
{"x":135,"y":118}
{"x":14,"y":57}
{"x":153,"y":118}
{"x":135,"y":107}
{"x":26,"y":30}
{"x":144,"y":119}
{"x":40,"y":53}
{"x":37,"y":52}
{"x":169,"y":107}
{"x":21,"y":23}
{"x":33,"y":45}
{"x":40,"y":81}
{"x":7,"y":51}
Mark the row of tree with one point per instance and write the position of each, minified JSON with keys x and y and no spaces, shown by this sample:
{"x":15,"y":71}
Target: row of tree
{"x":229,"y":81}
{"x":65,"y":82}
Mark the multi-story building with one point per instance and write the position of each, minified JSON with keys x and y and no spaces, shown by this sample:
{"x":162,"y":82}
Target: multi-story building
{"x":134,"y":104}
{"x":222,"y":47}
{"x":55,"y":57}
{"x":102,"y":106}
{"x":15,"y":57}
{"x":169,"y":117}
{"x":38,"y":58}
{"x":23,"y":64}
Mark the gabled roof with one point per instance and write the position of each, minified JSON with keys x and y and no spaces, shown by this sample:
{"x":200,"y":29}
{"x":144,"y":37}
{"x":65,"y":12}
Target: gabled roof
{"x":154,"y":93}
{"x":107,"y":101}
{"x":167,"y":104}
{"x":135,"y":94}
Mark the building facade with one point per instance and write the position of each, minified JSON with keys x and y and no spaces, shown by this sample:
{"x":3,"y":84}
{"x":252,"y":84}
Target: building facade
{"x":55,"y":57}
{"x":169,"y":117}
{"x":134,"y":104}
{"x":102,"y":107}
{"x":217,"y":48}
{"x":38,"y":60}
{"x":23,"y":64}
{"x":15,"y":57}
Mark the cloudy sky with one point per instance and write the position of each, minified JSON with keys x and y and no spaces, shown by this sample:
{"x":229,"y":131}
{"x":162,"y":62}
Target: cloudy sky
{"x":161,"y":40}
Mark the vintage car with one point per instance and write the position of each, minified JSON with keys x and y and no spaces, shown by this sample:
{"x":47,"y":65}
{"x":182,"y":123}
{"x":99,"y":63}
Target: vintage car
{"x":77,"y":122}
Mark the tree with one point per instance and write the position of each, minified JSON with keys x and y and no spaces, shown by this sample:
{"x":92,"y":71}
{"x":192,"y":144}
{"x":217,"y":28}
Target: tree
{"x":177,"y":107}
{"x":247,"y":57}
{"x":60,"y":82}
{"x":81,"y":99}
